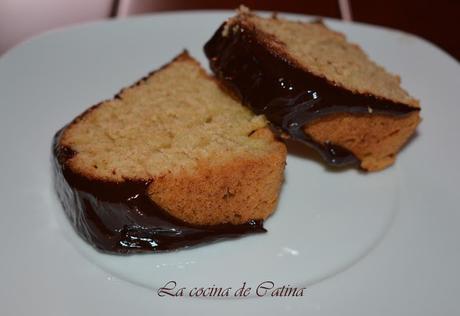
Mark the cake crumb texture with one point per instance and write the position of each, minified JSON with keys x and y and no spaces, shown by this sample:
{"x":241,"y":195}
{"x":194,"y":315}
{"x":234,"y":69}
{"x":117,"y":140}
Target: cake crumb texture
{"x":208,"y":159}
{"x":373,"y":138}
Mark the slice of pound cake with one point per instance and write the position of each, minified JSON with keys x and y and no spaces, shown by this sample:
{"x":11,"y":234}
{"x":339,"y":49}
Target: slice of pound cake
{"x":316,"y":87}
{"x":170,"y":162}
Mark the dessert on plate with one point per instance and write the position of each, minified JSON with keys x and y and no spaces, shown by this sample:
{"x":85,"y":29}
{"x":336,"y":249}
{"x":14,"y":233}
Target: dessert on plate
{"x":315,"y":87}
{"x":181,"y":158}
{"x":170,"y":162}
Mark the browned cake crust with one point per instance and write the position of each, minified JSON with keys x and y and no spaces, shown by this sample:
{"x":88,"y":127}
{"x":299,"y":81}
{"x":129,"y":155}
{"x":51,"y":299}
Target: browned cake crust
{"x":180,"y":143}
{"x":356,"y":108}
{"x":373,"y":139}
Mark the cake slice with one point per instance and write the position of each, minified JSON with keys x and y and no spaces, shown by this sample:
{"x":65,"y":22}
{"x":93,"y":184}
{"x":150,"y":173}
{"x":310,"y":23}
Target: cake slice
{"x":170,"y":162}
{"x":315,"y":87}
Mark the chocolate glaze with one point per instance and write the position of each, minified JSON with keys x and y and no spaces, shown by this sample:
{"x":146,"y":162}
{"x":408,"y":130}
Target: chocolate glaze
{"x":288,"y":96}
{"x":120,"y":218}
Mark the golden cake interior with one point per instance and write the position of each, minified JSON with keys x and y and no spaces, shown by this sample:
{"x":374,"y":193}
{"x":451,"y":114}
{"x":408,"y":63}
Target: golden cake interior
{"x":373,"y":138}
{"x":209,"y":159}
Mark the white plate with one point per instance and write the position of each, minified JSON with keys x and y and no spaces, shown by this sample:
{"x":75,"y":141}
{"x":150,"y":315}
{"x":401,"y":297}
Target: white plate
{"x":370,"y":244}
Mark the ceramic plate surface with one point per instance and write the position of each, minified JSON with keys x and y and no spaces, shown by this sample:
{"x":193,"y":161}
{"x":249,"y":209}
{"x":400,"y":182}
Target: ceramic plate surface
{"x":360,"y":244}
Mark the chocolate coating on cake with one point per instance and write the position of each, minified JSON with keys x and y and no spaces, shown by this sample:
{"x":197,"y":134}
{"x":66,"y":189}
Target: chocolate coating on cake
{"x":288,"y":96}
{"x":121,"y":218}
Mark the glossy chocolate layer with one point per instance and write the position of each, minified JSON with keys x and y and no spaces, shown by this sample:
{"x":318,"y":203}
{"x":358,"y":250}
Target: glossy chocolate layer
{"x":288,"y":96}
{"x":120,"y":218}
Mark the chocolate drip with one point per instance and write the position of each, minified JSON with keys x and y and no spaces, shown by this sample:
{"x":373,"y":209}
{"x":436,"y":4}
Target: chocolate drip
{"x":288,"y":96}
{"x":120,"y":218}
